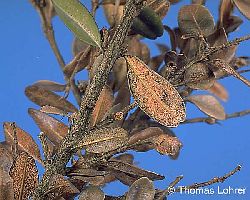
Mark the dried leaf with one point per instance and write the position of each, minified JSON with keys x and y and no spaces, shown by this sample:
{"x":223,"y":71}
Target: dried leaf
{"x":92,"y":180}
{"x":25,"y":176}
{"x":113,"y":12}
{"x":50,"y":85}
{"x":78,"y":19}
{"x":103,"y":105}
{"x":142,"y":189}
{"x":201,"y":2}
{"x":6,"y":157}
{"x":195,"y":19}
{"x":104,"y":140}
{"x":6,"y":185}
{"x":120,"y":73}
{"x":51,"y":127}
{"x":78,"y":46}
{"x":209,"y":105}
{"x":44,"y":97}
{"x":24,"y":139}
{"x":168,"y":145}
{"x":124,"y":178}
{"x":243,"y":6}
{"x":53,"y":110}
{"x":154,"y":95}
{"x":160,"y":7}
{"x":226,"y":9}
{"x":60,"y":187}
{"x":218,"y":90}
{"x":93,"y":193}
{"x":132,"y":170}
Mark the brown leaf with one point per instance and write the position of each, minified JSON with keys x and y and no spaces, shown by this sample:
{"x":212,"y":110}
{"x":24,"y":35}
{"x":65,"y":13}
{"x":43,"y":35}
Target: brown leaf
{"x":60,"y":187}
{"x":52,"y":128}
{"x":132,"y":170}
{"x":78,"y":46}
{"x":25,"y":176}
{"x":113,"y":12}
{"x":24,"y":139}
{"x":243,"y":6}
{"x":209,"y":105}
{"x":154,"y":94}
{"x":201,"y":2}
{"x":142,"y":189}
{"x":124,"y":178}
{"x":219,"y":90}
{"x":6,"y":158}
{"x":92,"y":180}
{"x":104,"y":140}
{"x":93,"y":193}
{"x":168,"y":145}
{"x":120,"y":73}
{"x":160,"y":7}
{"x":195,"y":18}
{"x":53,"y":110}
{"x":226,"y":9}
{"x":6,"y":185}
{"x":44,"y":97}
{"x":50,"y":85}
{"x":103,"y":105}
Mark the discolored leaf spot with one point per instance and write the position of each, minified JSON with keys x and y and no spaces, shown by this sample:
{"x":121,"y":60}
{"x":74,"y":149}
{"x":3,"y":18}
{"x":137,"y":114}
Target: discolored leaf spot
{"x":6,"y":185}
{"x":219,"y":90}
{"x":154,"y":94}
{"x":93,"y":193}
{"x":24,"y":175}
{"x":78,"y":19}
{"x":103,"y":105}
{"x":243,"y":6}
{"x":168,"y":145}
{"x":209,"y":105}
{"x":51,"y":127}
{"x":142,"y":189}
{"x":104,"y":140}
{"x":44,"y":97}
{"x":195,"y":19}
{"x":50,"y":85}
{"x":24,"y":140}
{"x":60,"y":187}
{"x":132,"y":170}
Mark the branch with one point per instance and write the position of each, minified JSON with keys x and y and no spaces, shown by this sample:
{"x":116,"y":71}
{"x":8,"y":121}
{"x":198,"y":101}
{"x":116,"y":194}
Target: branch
{"x":210,"y":120}
{"x":79,"y":128}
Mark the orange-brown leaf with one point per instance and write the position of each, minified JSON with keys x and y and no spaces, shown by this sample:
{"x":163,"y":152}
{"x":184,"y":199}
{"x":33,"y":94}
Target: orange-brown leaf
{"x":44,"y":97}
{"x":52,"y":128}
{"x":154,"y":94}
{"x":103,"y":105}
{"x":24,"y":139}
{"x":209,"y":105}
{"x":24,"y":175}
{"x":219,"y":90}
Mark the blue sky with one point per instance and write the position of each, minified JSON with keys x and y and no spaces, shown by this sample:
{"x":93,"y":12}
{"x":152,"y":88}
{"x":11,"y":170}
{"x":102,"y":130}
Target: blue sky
{"x":208,"y":150}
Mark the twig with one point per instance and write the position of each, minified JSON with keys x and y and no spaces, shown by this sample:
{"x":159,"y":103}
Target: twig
{"x":79,"y":129}
{"x":210,"y":120}
{"x":210,"y":182}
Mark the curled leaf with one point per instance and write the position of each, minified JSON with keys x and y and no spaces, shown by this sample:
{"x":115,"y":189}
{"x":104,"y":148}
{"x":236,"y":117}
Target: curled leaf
{"x":243,"y":6}
{"x":24,"y":140}
{"x":209,"y":105}
{"x":78,"y":19}
{"x":142,"y":189}
{"x":44,"y":97}
{"x":154,"y":94}
{"x":195,"y":19}
{"x":24,"y":175}
{"x":51,"y":127}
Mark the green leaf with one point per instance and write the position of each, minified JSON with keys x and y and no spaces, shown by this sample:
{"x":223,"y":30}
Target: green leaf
{"x":78,"y":19}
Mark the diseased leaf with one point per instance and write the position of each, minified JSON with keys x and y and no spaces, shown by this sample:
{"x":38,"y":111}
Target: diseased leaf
{"x":24,"y":175}
{"x":209,"y":105}
{"x":44,"y":97}
{"x":93,"y":193}
{"x":154,"y":94}
{"x":60,"y":187}
{"x":6,"y":185}
{"x":168,"y":145}
{"x":104,"y":140}
{"x":132,"y":170}
{"x":218,"y":90}
{"x":24,"y":140}
{"x":103,"y":105}
{"x":142,"y":189}
{"x":78,"y":19}
{"x":51,"y":127}
{"x":243,"y":6}
{"x":50,"y":85}
{"x":195,"y":19}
